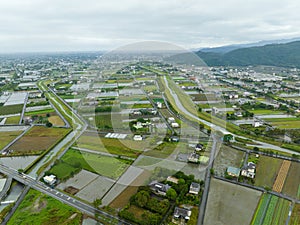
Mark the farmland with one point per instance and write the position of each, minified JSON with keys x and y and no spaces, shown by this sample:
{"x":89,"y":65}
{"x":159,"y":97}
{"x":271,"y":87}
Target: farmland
{"x":73,"y":161}
{"x":7,"y":137}
{"x":37,"y":140}
{"x":226,"y":157}
{"x":267,"y":170}
{"x":11,"y":109}
{"x":40,"y":209}
{"x":292,"y":183}
{"x":56,"y":121}
{"x":230,"y":204}
{"x":285,"y":123}
{"x":128,"y":148}
{"x":13,"y":120}
{"x":271,"y":210}
{"x":279,"y":182}
{"x":295,"y":218}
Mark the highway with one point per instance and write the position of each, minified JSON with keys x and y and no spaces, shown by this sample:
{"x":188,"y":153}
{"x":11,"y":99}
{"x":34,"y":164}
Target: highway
{"x":39,"y":186}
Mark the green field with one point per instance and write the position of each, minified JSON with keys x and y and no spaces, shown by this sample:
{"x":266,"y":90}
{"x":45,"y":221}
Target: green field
{"x":271,"y":210}
{"x":266,"y":171}
{"x":261,"y":208}
{"x":10,"y":109}
{"x":165,"y":149}
{"x":285,"y":123}
{"x":73,"y":161}
{"x":295,"y":218}
{"x":266,"y":112}
{"x":38,"y":112}
{"x":13,"y":120}
{"x":127,"y":148}
{"x":40,"y":209}
{"x":292,"y":183}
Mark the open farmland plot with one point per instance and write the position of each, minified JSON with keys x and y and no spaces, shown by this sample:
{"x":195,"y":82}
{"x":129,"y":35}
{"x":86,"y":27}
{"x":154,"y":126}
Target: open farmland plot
{"x":96,"y":189}
{"x":271,"y":210}
{"x":295,"y":218}
{"x":128,"y":148}
{"x":103,"y":165}
{"x":79,"y":181}
{"x":292,"y":183}
{"x":267,"y":170}
{"x":56,"y":121}
{"x":230,"y":204}
{"x":37,"y":140}
{"x":285,"y":123}
{"x":10,"y":109}
{"x":40,"y":209}
{"x":261,"y":209}
{"x":8,"y":136}
{"x":226,"y":157}
{"x":279,"y":182}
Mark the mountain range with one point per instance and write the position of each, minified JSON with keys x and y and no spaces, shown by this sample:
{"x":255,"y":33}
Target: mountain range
{"x":279,"y":54}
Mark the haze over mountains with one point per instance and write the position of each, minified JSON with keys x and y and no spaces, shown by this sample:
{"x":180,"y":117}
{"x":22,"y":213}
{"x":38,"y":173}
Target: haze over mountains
{"x":285,"y":53}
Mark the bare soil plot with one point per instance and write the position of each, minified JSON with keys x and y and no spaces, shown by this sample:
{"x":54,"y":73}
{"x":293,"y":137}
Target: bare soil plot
{"x":226,"y":157}
{"x":230,"y":204}
{"x":96,"y":189}
{"x":279,"y":182}
{"x":79,"y":181}
{"x":126,"y":179}
{"x":266,"y":171}
{"x":71,"y":190}
{"x":122,"y":200}
{"x":38,"y":139}
{"x":292,"y":183}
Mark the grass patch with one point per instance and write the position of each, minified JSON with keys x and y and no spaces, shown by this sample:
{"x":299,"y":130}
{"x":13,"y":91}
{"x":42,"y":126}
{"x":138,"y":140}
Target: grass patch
{"x":266,"y":112}
{"x":127,"y":148}
{"x":7,"y":137}
{"x":285,"y":123}
{"x":295,"y":218}
{"x":41,"y":209}
{"x":13,"y":120}
{"x":103,"y":165}
{"x":11,"y":109}
{"x":267,"y":170}
{"x":39,"y":112}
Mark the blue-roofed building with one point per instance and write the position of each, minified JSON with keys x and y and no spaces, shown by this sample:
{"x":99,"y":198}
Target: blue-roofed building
{"x":233,"y":171}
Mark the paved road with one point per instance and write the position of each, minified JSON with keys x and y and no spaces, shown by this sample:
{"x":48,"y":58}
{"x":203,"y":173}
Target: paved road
{"x":37,"y":185}
{"x":16,"y":204}
{"x":204,"y":197}
{"x":6,"y":188}
{"x":221,"y":129}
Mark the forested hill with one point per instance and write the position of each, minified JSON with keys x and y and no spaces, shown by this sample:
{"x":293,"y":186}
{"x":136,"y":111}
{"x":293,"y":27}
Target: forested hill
{"x":285,"y":55}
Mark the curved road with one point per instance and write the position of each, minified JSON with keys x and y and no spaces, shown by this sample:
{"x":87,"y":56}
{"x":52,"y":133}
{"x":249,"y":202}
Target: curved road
{"x":221,"y":129}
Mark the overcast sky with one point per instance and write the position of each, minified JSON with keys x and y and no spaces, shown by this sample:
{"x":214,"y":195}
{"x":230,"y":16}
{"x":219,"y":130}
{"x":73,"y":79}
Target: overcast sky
{"x":70,"y":25}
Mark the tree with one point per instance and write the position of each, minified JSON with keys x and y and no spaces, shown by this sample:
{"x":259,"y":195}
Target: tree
{"x":256,"y":149}
{"x":141,"y":198}
{"x":48,"y":124}
{"x":171,"y":194}
{"x":228,"y":137}
{"x":97,"y":202}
